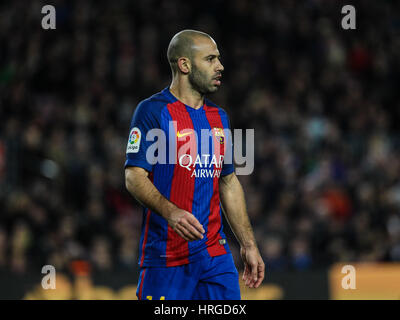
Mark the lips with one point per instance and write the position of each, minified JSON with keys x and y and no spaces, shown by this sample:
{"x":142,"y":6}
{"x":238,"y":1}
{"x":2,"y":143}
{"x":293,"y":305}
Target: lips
{"x":218,"y":80}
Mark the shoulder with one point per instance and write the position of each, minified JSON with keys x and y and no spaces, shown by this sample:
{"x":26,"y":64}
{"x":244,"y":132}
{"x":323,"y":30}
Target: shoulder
{"x":151,"y":107}
{"x":154,"y":103}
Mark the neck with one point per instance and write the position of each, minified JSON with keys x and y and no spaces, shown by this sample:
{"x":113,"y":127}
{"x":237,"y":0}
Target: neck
{"x":184,"y":92}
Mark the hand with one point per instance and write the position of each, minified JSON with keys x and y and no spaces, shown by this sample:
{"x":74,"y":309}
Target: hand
{"x":185,"y":225}
{"x":254,"y":266}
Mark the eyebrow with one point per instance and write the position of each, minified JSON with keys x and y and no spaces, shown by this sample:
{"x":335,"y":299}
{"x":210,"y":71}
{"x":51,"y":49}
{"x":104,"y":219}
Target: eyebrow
{"x":213,"y":56}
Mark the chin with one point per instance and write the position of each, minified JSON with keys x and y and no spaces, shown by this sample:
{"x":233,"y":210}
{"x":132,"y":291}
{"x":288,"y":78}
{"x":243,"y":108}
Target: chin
{"x":213,"y":89}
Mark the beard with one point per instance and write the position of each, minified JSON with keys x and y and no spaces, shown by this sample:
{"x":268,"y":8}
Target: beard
{"x":200,"y":82}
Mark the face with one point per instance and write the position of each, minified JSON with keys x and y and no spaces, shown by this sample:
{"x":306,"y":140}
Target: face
{"x":206,"y":71}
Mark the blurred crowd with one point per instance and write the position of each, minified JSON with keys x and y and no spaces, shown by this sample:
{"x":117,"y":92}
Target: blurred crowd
{"x":324,"y":103}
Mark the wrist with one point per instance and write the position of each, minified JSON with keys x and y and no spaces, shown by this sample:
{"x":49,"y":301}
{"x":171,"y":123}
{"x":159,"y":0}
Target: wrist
{"x":167,"y":209}
{"x":251,"y":244}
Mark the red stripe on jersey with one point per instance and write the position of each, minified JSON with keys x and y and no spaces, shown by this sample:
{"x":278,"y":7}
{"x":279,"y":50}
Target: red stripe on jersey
{"x":182,"y":185}
{"x":214,"y":219}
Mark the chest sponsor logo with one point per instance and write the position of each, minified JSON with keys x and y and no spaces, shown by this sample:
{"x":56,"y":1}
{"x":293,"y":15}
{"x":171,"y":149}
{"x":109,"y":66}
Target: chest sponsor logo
{"x":202,"y":166}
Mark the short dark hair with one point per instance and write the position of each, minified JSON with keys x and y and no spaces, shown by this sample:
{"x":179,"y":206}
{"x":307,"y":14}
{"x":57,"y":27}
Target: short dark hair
{"x":181,"y":45}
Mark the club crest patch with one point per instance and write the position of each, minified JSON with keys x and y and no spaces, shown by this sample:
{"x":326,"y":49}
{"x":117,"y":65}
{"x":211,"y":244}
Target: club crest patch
{"x":219,"y":134}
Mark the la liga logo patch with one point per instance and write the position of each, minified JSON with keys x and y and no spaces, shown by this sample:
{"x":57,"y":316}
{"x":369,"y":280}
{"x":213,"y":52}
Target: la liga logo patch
{"x":134,"y":136}
{"x":134,"y":141}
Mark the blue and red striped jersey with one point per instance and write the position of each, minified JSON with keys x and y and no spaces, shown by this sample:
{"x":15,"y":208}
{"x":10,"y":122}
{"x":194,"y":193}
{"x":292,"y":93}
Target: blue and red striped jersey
{"x":183,"y":149}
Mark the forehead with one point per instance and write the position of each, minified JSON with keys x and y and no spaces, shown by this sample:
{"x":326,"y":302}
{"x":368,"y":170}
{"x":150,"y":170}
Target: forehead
{"x":203,"y":46}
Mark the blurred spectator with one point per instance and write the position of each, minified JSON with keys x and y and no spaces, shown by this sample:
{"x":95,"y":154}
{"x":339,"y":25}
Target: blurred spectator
{"x":300,"y":256}
{"x":272,"y":249}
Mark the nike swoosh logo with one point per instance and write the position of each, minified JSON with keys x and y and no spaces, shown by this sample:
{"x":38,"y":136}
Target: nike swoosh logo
{"x":180,"y":135}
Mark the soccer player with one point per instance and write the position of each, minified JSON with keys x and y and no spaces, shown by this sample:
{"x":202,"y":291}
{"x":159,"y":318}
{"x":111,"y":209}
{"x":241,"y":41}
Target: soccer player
{"x":183,"y":250}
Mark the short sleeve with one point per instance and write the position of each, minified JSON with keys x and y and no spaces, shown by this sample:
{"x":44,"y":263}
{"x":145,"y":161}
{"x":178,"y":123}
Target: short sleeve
{"x":143,"y":120}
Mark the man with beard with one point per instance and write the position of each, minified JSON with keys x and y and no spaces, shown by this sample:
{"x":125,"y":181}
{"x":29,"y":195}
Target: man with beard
{"x":183,"y":249}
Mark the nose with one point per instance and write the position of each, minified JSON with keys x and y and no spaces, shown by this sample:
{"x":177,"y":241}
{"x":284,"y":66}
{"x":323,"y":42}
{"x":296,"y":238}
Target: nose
{"x":219,"y":67}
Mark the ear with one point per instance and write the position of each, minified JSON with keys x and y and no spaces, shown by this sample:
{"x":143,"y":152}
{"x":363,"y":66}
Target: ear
{"x":184,"y":65}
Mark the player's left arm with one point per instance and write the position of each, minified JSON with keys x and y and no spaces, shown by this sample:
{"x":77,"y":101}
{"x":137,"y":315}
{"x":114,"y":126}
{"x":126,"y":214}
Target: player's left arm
{"x":234,"y":208}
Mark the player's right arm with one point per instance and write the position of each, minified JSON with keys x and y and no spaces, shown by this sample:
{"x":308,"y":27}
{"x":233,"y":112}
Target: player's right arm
{"x":181,"y":221}
{"x":137,"y":168}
